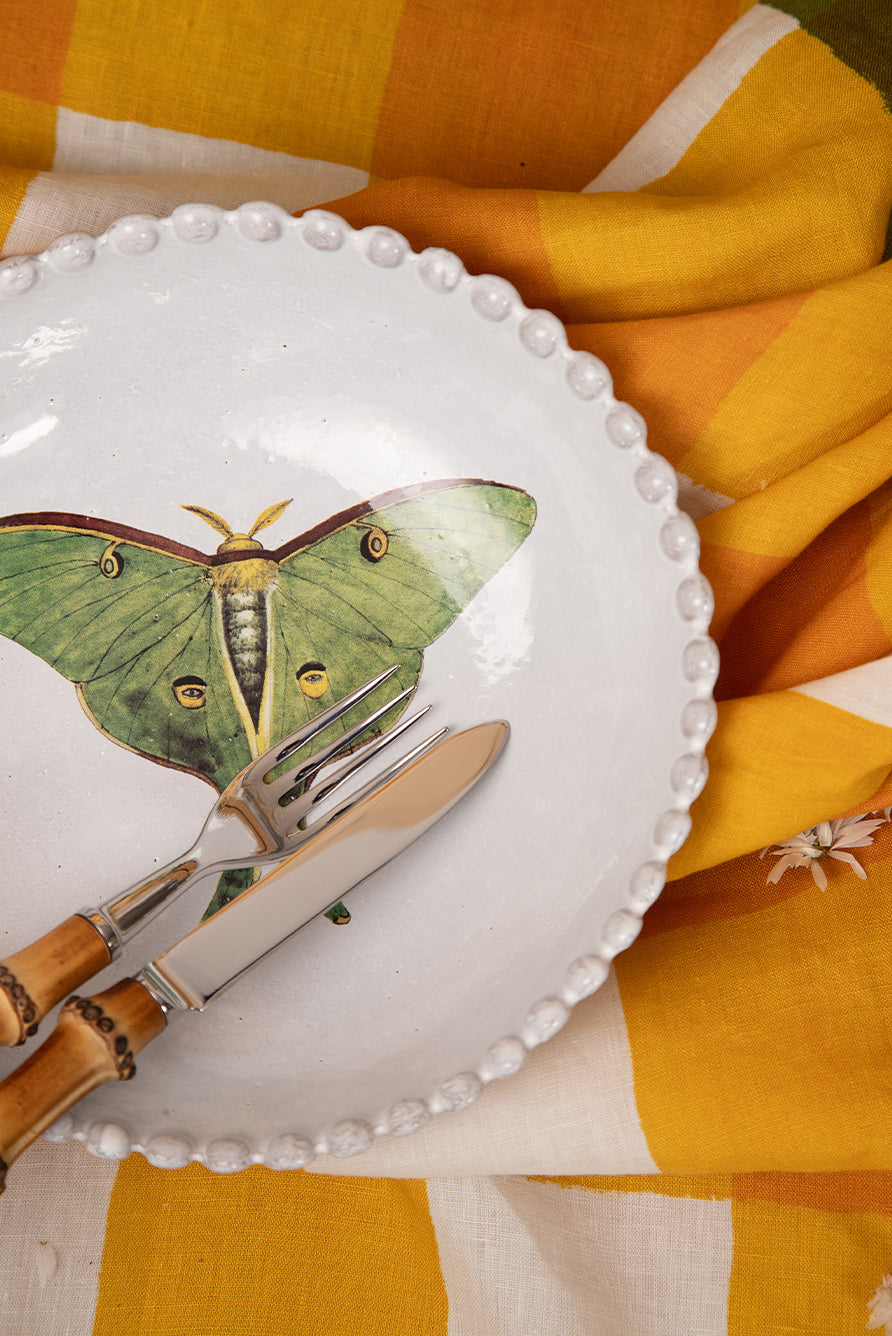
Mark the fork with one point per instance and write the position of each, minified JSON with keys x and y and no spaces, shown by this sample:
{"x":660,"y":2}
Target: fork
{"x":259,"y":819}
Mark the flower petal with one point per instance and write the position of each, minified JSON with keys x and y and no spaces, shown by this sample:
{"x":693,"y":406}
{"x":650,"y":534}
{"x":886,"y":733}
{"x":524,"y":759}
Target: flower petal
{"x":783,"y":865}
{"x":851,"y":860}
{"x":819,"y":875}
{"x":854,"y":827}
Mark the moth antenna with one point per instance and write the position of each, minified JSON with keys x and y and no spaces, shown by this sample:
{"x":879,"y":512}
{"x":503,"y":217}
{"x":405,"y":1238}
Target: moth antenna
{"x":269,"y":516}
{"x":215,"y":521}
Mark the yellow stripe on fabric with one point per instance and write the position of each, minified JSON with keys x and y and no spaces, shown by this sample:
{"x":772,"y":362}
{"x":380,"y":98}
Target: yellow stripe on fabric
{"x":783,"y":518}
{"x":297,"y":78}
{"x":27,"y":132}
{"x":199,"y":1254}
{"x":14,"y":183}
{"x":787,"y":188}
{"x":810,"y":109}
{"x":799,"y":1270}
{"x":770,"y":777}
{"x":775,"y":1050}
{"x":824,"y":380}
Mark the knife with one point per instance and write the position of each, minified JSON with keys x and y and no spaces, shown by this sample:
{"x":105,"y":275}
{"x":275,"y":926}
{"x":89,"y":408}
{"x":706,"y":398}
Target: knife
{"x":97,"y":1038}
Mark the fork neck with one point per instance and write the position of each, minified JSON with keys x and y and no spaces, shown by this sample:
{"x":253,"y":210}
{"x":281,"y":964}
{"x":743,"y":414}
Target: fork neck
{"x":120,"y":918}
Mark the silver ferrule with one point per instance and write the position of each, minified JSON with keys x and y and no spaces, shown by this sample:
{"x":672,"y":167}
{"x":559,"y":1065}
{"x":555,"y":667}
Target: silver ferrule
{"x":164,"y":993}
{"x":106,"y":930}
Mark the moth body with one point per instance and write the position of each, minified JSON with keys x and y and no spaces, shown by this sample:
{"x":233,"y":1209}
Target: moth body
{"x":243,"y":591}
{"x":246,"y":633}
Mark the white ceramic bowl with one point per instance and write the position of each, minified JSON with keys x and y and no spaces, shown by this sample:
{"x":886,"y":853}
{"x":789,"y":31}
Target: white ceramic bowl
{"x":231,"y":360}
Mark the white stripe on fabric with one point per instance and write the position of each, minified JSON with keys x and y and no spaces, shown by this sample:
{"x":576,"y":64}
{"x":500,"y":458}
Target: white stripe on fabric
{"x":522,"y":1257}
{"x":865,"y":691}
{"x":570,"y":1110}
{"x":56,"y":203}
{"x":106,"y":169}
{"x":674,"y":126}
{"x":91,"y":144}
{"x":57,"y":1196}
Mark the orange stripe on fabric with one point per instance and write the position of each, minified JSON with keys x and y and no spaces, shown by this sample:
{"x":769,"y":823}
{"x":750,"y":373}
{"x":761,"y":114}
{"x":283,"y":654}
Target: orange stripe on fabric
{"x":33,"y":46}
{"x":201,"y":1254}
{"x":540,"y":95}
{"x":863,"y":1193}
{"x":722,"y":892}
{"x":741,"y":885}
{"x":492,"y":231}
{"x":769,"y":776}
{"x":879,"y":556}
{"x":301,"y":79}
{"x":777,"y":1033}
{"x":814,"y":618}
{"x":677,"y":371}
{"x":801,"y":1271}
{"x":735,"y":577}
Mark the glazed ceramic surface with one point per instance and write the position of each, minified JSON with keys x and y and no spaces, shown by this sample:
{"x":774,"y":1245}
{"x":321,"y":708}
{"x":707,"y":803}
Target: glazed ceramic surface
{"x":231,"y":361}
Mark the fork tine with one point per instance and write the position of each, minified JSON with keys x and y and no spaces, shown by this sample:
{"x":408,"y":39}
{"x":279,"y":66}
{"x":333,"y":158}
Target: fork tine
{"x":277,"y":787}
{"x":276,"y":755}
{"x":357,"y":761}
{"x":378,"y":781}
{"x":324,"y":754}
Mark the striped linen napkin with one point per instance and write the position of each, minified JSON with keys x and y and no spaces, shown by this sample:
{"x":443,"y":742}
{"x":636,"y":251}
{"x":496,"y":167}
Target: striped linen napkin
{"x":701,"y":191}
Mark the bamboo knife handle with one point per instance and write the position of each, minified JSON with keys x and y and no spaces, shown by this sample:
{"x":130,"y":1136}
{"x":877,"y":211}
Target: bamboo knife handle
{"x":37,"y":977}
{"x":94,"y":1041}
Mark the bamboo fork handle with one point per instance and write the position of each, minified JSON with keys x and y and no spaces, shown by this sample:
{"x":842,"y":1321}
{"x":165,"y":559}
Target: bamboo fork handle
{"x":94,"y":1041}
{"x":37,"y":977}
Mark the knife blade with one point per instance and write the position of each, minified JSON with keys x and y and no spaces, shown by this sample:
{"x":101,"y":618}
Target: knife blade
{"x":97,"y":1038}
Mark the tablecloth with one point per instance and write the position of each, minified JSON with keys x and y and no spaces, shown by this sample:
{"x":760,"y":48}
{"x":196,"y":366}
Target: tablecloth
{"x":700,"y":190}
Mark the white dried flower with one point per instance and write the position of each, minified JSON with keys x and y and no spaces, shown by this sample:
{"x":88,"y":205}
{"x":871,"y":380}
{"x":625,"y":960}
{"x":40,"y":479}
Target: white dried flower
{"x":880,"y":1307}
{"x":828,"y":838}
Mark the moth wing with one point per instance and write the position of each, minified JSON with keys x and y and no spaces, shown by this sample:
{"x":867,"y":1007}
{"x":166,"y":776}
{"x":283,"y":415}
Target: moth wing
{"x":126,"y":621}
{"x":379,"y":588}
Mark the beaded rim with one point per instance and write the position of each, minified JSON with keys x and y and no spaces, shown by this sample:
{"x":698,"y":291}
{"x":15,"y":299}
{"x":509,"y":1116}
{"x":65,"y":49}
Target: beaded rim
{"x":495,"y":301}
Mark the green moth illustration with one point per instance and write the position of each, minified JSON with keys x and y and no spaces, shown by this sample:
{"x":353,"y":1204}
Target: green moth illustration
{"x":201,"y":662}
